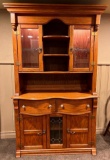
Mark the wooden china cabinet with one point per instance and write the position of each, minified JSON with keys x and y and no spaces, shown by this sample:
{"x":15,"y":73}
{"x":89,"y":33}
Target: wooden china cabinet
{"x":55,"y":63}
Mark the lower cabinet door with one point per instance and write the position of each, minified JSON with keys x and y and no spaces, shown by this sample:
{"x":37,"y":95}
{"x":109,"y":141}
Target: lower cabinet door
{"x":33,"y":132}
{"x":56,"y":133}
{"x":79,"y":131}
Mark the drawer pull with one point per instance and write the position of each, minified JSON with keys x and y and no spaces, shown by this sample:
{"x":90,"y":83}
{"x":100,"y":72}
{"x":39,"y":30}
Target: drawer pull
{"x":23,"y":106}
{"x":41,"y":133}
{"x":50,"y":106}
{"x":71,"y":132}
{"x":88,"y":106}
{"x":62,"y":106}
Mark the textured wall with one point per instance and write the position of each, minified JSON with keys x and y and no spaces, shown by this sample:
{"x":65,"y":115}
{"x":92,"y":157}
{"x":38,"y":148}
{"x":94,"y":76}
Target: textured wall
{"x":103,"y":90}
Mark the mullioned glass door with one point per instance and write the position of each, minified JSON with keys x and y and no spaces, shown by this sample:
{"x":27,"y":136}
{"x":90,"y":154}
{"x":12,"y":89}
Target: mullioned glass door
{"x":30,"y":48}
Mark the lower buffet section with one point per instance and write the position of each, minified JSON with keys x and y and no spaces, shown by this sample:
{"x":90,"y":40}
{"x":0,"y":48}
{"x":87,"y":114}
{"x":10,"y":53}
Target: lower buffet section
{"x":55,"y":126}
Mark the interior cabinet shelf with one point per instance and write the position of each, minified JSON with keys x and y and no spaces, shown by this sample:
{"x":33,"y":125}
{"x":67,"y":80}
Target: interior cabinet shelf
{"x":55,"y":55}
{"x":56,"y":37}
{"x":55,"y":72}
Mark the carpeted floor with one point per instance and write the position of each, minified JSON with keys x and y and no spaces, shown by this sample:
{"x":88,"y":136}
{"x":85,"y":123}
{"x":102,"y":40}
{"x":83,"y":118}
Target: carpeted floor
{"x":7,"y":151}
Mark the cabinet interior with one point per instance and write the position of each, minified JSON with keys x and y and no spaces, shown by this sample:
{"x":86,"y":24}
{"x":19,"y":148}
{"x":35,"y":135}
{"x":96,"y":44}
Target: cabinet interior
{"x":55,"y":82}
{"x":55,"y":46}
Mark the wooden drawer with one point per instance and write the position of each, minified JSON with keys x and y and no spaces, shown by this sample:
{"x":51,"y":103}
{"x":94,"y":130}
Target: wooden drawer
{"x":39,"y":107}
{"x":74,"y":107}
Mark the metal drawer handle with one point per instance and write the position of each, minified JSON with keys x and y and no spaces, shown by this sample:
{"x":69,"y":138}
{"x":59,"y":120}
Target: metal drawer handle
{"x":71,"y":132}
{"x":41,"y":133}
{"x":23,"y":106}
{"x":62,"y":106}
{"x":50,"y":106}
{"x":88,"y":106}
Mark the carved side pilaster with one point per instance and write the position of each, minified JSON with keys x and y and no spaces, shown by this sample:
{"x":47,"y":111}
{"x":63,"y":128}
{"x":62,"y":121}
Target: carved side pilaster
{"x":17,"y":127}
{"x":96,"y":28}
{"x":14,"y":26}
{"x":93,"y":126}
{"x":14,"y":21}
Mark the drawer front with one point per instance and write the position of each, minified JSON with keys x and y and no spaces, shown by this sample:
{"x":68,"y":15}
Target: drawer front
{"x":74,"y":106}
{"x":39,"y":107}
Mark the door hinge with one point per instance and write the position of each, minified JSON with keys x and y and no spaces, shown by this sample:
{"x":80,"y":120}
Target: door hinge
{"x":92,"y":117}
{"x":94,"y":33}
{"x":19,"y":118}
{"x":16,"y":32}
{"x":17,"y":63}
{"x":92,"y":63}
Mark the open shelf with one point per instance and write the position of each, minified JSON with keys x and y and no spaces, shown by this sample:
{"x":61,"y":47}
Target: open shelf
{"x":55,"y":55}
{"x":55,"y":46}
{"x":54,"y":72}
{"x":54,"y":82}
{"x":55,"y":27}
{"x":56,"y":63}
{"x":56,"y":37}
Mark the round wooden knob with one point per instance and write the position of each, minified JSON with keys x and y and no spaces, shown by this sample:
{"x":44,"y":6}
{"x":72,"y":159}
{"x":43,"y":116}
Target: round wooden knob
{"x":88,"y":106}
{"x":50,"y":106}
{"x":23,"y":106}
{"x":62,"y":106}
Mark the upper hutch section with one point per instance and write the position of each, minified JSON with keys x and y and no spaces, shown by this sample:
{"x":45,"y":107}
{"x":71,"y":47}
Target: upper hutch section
{"x":55,"y":37}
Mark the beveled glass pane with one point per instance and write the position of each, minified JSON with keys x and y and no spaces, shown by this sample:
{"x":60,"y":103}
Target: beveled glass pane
{"x":56,"y":130}
{"x":81,"y":48}
{"x":30,"y":48}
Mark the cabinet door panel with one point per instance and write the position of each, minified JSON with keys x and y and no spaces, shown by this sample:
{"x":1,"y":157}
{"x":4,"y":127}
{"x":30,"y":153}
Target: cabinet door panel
{"x":78,"y":131}
{"x":30,"y":48}
{"x":33,"y":132}
{"x":81,"y":48}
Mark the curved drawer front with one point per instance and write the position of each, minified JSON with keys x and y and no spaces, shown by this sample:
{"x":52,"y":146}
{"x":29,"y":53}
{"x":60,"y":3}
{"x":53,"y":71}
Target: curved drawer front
{"x":41,"y":107}
{"x":74,"y":106}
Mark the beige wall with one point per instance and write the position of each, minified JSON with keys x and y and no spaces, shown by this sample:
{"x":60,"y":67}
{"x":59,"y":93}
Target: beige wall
{"x":7,"y":129}
{"x":104,"y":40}
{"x":6,"y":51}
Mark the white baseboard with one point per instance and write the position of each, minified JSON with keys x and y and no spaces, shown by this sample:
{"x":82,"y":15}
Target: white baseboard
{"x":99,"y":130}
{"x":9,"y":134}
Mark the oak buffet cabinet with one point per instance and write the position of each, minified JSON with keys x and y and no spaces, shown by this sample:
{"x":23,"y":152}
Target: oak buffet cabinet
{"x":55,"y":62}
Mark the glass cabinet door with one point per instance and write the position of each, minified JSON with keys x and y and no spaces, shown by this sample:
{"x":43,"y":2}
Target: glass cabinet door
{"x":56,"y":132}
{"x":81,"y":50}
{"x":30,"y":48}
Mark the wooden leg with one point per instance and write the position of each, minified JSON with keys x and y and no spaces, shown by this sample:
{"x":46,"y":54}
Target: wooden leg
{"x":18,"y":155}
{"x":94,"y":152}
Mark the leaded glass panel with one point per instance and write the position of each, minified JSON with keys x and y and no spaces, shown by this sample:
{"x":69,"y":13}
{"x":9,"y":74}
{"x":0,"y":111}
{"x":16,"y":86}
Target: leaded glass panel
{"x":81,"y":45}
{"x":56,"y":130}
{"x":30,"y":47}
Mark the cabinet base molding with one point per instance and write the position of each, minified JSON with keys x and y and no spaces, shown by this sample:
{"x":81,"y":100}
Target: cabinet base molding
{"x":56,"y":151}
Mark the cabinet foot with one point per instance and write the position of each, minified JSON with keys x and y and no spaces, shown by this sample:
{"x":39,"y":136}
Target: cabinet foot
{"x":94,"y":152}
{"x":18,"y":154}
